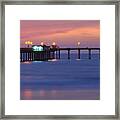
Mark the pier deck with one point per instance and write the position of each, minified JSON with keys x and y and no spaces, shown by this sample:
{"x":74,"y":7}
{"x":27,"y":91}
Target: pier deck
{"x":27,"y":54}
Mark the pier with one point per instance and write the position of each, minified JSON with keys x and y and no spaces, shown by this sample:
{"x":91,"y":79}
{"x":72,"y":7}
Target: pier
{"x":27,"y":54}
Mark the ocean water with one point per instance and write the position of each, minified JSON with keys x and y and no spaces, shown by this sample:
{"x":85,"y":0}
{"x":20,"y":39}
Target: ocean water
{"x":74,"y":79}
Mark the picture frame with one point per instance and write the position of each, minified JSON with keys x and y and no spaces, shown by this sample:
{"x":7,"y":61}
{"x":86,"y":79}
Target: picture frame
{"x":2,"y":60}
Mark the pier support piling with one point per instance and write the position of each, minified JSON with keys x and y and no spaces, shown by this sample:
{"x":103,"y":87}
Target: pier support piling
{"x":59,"y":54}
{"x":99,"y":54}
{"x":56,"y":54}
{"x":89,"y":53}
{"x":78,"y":53}
{"x":68,"y":53}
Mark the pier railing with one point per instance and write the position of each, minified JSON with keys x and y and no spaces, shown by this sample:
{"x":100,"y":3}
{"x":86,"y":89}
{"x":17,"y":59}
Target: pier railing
{"x":27,"y":54}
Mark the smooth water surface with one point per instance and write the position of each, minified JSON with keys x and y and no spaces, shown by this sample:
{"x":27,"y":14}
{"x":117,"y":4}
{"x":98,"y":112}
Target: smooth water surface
{"x":61,"y":79}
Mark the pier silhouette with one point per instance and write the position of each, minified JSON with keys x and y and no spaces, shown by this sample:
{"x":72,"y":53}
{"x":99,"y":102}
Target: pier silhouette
{"x":27,"y":54}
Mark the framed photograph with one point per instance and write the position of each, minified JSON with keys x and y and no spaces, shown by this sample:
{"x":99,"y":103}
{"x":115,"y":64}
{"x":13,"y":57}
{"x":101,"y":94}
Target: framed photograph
{"x":59,"y":59}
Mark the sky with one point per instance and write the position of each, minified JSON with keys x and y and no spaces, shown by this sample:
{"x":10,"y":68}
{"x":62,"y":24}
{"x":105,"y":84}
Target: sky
{"x":65,"y":33}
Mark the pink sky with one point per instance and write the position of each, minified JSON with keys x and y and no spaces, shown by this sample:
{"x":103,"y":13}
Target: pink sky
{"x":65,"y":33}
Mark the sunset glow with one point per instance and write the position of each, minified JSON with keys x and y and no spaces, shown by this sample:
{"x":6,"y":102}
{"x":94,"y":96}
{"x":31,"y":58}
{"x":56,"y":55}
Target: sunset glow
{"x":65,"y":33}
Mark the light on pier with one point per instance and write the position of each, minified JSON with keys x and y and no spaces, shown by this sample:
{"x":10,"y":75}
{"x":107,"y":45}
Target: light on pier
{"x":41,"y":43}
{"x":54,"y":43}
{"x":28,"y":43}
{"x":78,"y":44}
{"x":31,"y":43}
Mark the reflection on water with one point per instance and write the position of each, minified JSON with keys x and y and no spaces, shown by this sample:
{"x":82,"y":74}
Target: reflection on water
{"x":60,"y":94}
{"x":61,"y":80}
{"x":53,"y":60}
{"x":27,"y":62}
{"x":27,"y":93}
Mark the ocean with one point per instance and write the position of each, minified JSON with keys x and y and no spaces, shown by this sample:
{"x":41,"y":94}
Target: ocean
{"x":64,"y":79}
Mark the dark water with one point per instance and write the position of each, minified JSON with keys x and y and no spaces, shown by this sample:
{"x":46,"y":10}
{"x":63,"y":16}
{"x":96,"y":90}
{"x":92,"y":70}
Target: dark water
{"x":61,"y":79}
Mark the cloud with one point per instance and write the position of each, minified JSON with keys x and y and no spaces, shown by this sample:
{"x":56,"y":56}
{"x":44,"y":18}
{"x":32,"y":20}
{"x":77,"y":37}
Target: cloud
{"x":63,"y":32}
